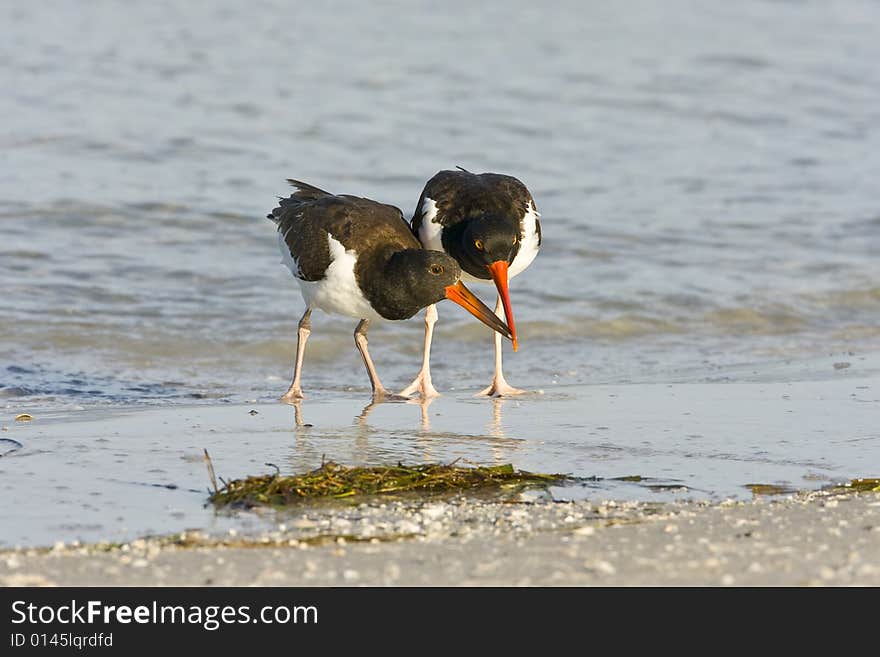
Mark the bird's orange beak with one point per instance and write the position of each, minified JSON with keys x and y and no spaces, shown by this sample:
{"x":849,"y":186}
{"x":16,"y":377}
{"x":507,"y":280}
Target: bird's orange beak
{"x":498,"y":271}
{"x":467,"y":300}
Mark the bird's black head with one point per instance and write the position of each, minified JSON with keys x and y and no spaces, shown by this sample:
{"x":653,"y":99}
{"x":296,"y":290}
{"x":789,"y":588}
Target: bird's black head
{"x":484,"y":246}
{"x":484,"y":240}
{"x":416,"y":278}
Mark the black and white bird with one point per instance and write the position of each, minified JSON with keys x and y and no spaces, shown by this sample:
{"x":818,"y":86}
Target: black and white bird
{"x":356,"y":257}
{"x":489,"y":223}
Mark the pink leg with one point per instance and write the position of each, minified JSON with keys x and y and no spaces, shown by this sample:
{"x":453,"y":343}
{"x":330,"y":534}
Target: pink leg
{"x":295,"y":391}
{"x":499,"y":387}
{"x":422,"y":383}
{"x":360,"y":339}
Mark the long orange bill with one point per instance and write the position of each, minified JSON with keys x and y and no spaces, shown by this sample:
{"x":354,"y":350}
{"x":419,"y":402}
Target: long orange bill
{"x":498,"y":271}
{"x":466,"y":299}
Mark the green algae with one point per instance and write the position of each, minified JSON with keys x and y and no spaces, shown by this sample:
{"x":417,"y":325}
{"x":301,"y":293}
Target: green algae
{"x":334,"y":481}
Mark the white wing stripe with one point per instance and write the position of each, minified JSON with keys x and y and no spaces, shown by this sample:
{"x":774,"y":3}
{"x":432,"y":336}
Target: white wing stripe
{"x":429,"y":231}
{"x":528,"y":247}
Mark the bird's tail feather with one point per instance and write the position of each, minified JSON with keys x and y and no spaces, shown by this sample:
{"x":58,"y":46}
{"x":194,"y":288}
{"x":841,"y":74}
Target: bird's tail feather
{"x":304,"y":193}
{"x":307,"y":192}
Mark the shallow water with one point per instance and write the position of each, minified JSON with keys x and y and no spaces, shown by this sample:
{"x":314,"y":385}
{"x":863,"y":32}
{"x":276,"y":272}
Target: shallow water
{"x":707,"y":176}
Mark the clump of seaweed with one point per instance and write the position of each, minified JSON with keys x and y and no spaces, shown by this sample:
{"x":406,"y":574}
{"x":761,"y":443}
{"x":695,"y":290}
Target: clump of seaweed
{"x":864,"y":485}
{"x":759,"y":490}
{"x":336,"y":481}
{"x":859,"y":485}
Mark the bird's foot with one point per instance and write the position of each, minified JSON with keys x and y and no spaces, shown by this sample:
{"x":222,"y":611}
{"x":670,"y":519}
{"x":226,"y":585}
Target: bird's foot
{"x":382,"y":395}
{"x":292,"y":396}
{"x":500,"y":388}
{"x":422,"y":385}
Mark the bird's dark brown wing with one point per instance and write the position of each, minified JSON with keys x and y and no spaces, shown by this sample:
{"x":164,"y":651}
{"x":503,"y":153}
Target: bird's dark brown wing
{"x":298,"y":223}
{"x":359,"y":224}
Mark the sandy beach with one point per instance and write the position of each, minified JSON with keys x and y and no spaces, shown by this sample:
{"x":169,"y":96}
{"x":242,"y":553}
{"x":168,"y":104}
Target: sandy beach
{"x":815,"y":539}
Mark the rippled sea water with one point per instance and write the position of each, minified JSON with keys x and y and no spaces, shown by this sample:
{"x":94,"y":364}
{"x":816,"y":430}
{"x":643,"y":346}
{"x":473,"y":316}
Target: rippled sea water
{"x":707,"y":175}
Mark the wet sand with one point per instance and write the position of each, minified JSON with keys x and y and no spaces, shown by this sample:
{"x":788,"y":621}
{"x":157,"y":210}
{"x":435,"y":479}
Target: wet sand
{"x":118,"y":475}
{"x":662,"y":493}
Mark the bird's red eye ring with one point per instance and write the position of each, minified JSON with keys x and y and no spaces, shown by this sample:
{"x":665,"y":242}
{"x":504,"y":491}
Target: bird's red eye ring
{"x":478,"y":245}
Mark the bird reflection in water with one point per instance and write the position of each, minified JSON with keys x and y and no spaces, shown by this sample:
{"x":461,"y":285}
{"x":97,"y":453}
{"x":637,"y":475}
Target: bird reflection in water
{"x":422,"y":403}
{"x":495,"y":428}
{"x":364,"y":433}
{"x":297,"y":414}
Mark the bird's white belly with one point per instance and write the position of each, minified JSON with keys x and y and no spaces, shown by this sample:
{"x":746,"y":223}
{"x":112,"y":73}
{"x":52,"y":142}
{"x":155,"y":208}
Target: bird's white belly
{"x":338,"y":291}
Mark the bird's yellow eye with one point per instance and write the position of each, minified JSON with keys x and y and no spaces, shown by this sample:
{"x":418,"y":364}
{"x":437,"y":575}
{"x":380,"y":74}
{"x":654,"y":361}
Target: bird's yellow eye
{"x":515,"y":238}
{"x":478,"y":245}
{"x":436,"y":269}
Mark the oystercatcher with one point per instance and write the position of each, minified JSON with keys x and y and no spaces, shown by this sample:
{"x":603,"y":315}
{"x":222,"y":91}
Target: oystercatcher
{"x":489,"y":223}
{"x":357,"y":257}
